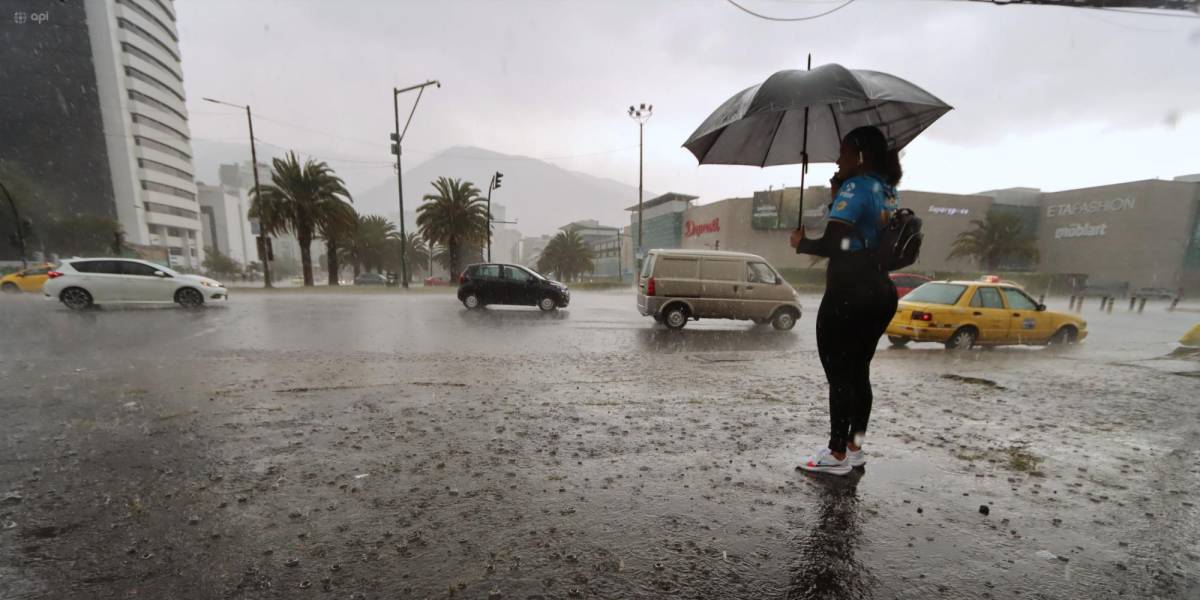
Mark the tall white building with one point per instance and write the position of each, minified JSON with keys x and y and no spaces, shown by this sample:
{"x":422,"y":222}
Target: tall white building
{"x":139,"y":84}
{"x":223,"y":224}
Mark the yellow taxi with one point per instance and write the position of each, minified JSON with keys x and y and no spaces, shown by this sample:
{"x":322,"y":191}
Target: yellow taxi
{"x":30,"y":279}
{"x":989,"y":312}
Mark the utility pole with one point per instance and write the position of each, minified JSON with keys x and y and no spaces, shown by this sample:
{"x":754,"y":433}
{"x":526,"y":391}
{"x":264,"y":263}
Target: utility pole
{"x":397,"y":140}
{"x":641,"y":114}
{"x":494,"y":184}
{"x":20,"y":227}
{"x":263,"y":241}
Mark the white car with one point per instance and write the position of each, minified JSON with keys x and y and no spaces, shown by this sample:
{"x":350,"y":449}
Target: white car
{"x":83,"y":282}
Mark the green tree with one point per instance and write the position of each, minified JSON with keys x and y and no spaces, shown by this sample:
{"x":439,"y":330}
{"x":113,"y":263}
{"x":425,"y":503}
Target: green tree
{"x":369,"y":248}
{"x":456,"y":217}
{"x":416,"y":253}
{"x":298,"y":198}
{"x":567,"y":256}
{"x":997,"y":238}
{"x":336,"y":226}
{"x":220,"y":265}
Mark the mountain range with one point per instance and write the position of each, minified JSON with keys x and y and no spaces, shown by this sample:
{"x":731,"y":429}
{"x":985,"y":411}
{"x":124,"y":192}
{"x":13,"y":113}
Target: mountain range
{"x":539,"y":195}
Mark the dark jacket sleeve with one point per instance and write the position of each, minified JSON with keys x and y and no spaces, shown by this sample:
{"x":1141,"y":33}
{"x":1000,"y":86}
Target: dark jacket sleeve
{"x":835,"y":240}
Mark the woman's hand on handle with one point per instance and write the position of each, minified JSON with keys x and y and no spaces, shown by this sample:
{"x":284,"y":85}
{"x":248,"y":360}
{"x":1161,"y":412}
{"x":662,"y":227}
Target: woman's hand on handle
{"x":797,"y":237}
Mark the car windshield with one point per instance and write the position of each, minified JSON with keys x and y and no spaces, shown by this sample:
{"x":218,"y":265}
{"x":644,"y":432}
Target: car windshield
{"x":936,"y":293}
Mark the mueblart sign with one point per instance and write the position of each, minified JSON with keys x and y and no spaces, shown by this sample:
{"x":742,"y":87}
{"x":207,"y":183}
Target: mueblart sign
{"x":1079,"y":230}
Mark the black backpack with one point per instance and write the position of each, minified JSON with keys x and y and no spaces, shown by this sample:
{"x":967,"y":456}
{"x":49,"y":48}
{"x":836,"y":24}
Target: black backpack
{"x":900,"y":241}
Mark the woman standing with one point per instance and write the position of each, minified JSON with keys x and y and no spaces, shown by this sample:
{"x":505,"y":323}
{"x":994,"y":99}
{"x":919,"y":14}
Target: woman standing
{"x":859,"y":298}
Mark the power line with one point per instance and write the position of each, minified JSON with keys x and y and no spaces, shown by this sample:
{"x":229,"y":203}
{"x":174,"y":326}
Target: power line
{"x":791,"y":19}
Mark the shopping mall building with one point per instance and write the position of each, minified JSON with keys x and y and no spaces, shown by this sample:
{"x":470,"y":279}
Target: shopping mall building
{"x":1141,"y":233}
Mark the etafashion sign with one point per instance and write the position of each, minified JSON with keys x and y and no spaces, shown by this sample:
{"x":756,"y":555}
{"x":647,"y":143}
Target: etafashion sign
{"x":1090,"y":207}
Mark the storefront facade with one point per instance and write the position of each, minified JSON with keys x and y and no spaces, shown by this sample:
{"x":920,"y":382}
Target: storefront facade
{"x":1139,"y":234}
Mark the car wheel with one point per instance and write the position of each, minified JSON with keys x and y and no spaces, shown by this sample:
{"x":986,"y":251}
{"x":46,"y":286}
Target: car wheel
{"x":471,"y":302}
{"x":675,"y":317}
{"x":784,"y":320}
{"x":547,"y":304}
{"x":963,"y":339}
{"x":75,"y":298}
{"x":189,"y":298}
{"x":1065,"y":335}
{"x":10,"y":288}
{"x":898,"y":341}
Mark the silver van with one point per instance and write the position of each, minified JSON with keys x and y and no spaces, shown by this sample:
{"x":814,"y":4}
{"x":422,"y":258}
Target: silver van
{"x":680,"y":285}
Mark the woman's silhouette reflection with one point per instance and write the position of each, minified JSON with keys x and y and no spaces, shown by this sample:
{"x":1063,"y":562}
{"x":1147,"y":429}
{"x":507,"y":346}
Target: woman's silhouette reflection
{"x":825,"y":565}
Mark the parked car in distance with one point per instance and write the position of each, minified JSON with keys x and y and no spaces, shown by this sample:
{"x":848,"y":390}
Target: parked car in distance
{"x":1154,"y":293}
{"x":907,"y":282}
{"x":677,"y":286}
{"x":370,"y":279}
{"x":962,"y":314}
{"x":80,"y":283}
{"x":29,"y":279}
{"x":436,"y":281}
{"x":492,"y":283}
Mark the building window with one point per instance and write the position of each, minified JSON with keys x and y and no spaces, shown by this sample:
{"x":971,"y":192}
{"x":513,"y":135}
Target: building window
{"x":128,"y":25}
{"x":167,"y":189}
{"x":163,"y":106}
{"x":161,"y":147}
{"x":144,"y":77}
{"x":193,"y":253}
{"x":155,"y":207}
{"x":175,"y":251}
{"x":148,"y":16}
{"x":165,"y":10}
{"x":152,"y":165}
{"x":156,"y":124}
{"x":132,"y":50}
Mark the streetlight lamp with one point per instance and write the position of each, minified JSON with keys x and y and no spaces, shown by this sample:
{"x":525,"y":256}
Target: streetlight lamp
{"x":641,"y":113}
{"x":397,"y":139}
{"x":263,"y":241}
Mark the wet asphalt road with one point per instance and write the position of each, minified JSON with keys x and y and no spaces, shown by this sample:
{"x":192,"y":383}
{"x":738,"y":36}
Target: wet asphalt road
{"x":380,"y":445}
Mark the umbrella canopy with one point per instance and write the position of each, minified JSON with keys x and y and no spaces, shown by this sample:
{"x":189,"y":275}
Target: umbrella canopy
{"x":800,"y":116}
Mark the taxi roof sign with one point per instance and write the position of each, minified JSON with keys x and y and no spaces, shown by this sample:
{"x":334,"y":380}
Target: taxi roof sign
{"x":990,"y":279}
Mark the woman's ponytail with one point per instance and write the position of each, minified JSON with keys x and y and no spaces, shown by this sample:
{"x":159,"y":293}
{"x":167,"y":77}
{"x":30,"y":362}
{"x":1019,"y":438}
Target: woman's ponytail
{"x":891,"y":167}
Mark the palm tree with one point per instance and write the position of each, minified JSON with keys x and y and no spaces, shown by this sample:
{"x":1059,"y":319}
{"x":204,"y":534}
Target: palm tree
{"x":370,"y":248}
{"x":999,"y":237}
{"x":296,"y":200}
{"x":456,"y":217}
{"x":567,"y":256}
{"x":337,"y":227}
{"x":416,"y":253}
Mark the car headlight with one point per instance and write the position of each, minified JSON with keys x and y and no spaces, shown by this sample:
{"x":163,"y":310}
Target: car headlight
{"x":210,"y":284}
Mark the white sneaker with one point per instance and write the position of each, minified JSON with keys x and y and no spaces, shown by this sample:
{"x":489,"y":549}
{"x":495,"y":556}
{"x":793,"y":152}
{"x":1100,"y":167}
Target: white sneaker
{"x":825,"y":462}
{"x":856,"y":458}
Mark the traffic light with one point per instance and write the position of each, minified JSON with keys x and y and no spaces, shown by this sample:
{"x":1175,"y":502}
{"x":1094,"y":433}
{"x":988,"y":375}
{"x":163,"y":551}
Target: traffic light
{"x":496,"y":180}
{"x":395,"y":144}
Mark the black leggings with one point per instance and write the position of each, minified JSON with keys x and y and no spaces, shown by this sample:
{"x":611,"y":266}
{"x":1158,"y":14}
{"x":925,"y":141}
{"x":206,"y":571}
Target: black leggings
{"x":858,"y":304}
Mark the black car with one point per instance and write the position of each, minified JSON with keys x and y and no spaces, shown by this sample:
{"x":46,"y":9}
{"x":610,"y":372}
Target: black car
{"x":370,"y":279}
{"x":485,"y":284}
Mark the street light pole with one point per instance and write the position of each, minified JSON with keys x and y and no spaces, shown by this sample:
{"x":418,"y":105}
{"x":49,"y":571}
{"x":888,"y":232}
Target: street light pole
{"x":263,"y":241}
{"x":397,"y":140}
{"x":492,"y":185}
{"x":641,"y":114}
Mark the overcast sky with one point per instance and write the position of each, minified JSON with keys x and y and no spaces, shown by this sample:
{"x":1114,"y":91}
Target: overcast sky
{"x":1044,"y":97}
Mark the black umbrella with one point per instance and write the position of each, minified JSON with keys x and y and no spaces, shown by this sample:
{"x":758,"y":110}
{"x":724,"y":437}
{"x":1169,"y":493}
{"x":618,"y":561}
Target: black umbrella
{"x":798,"y":117}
